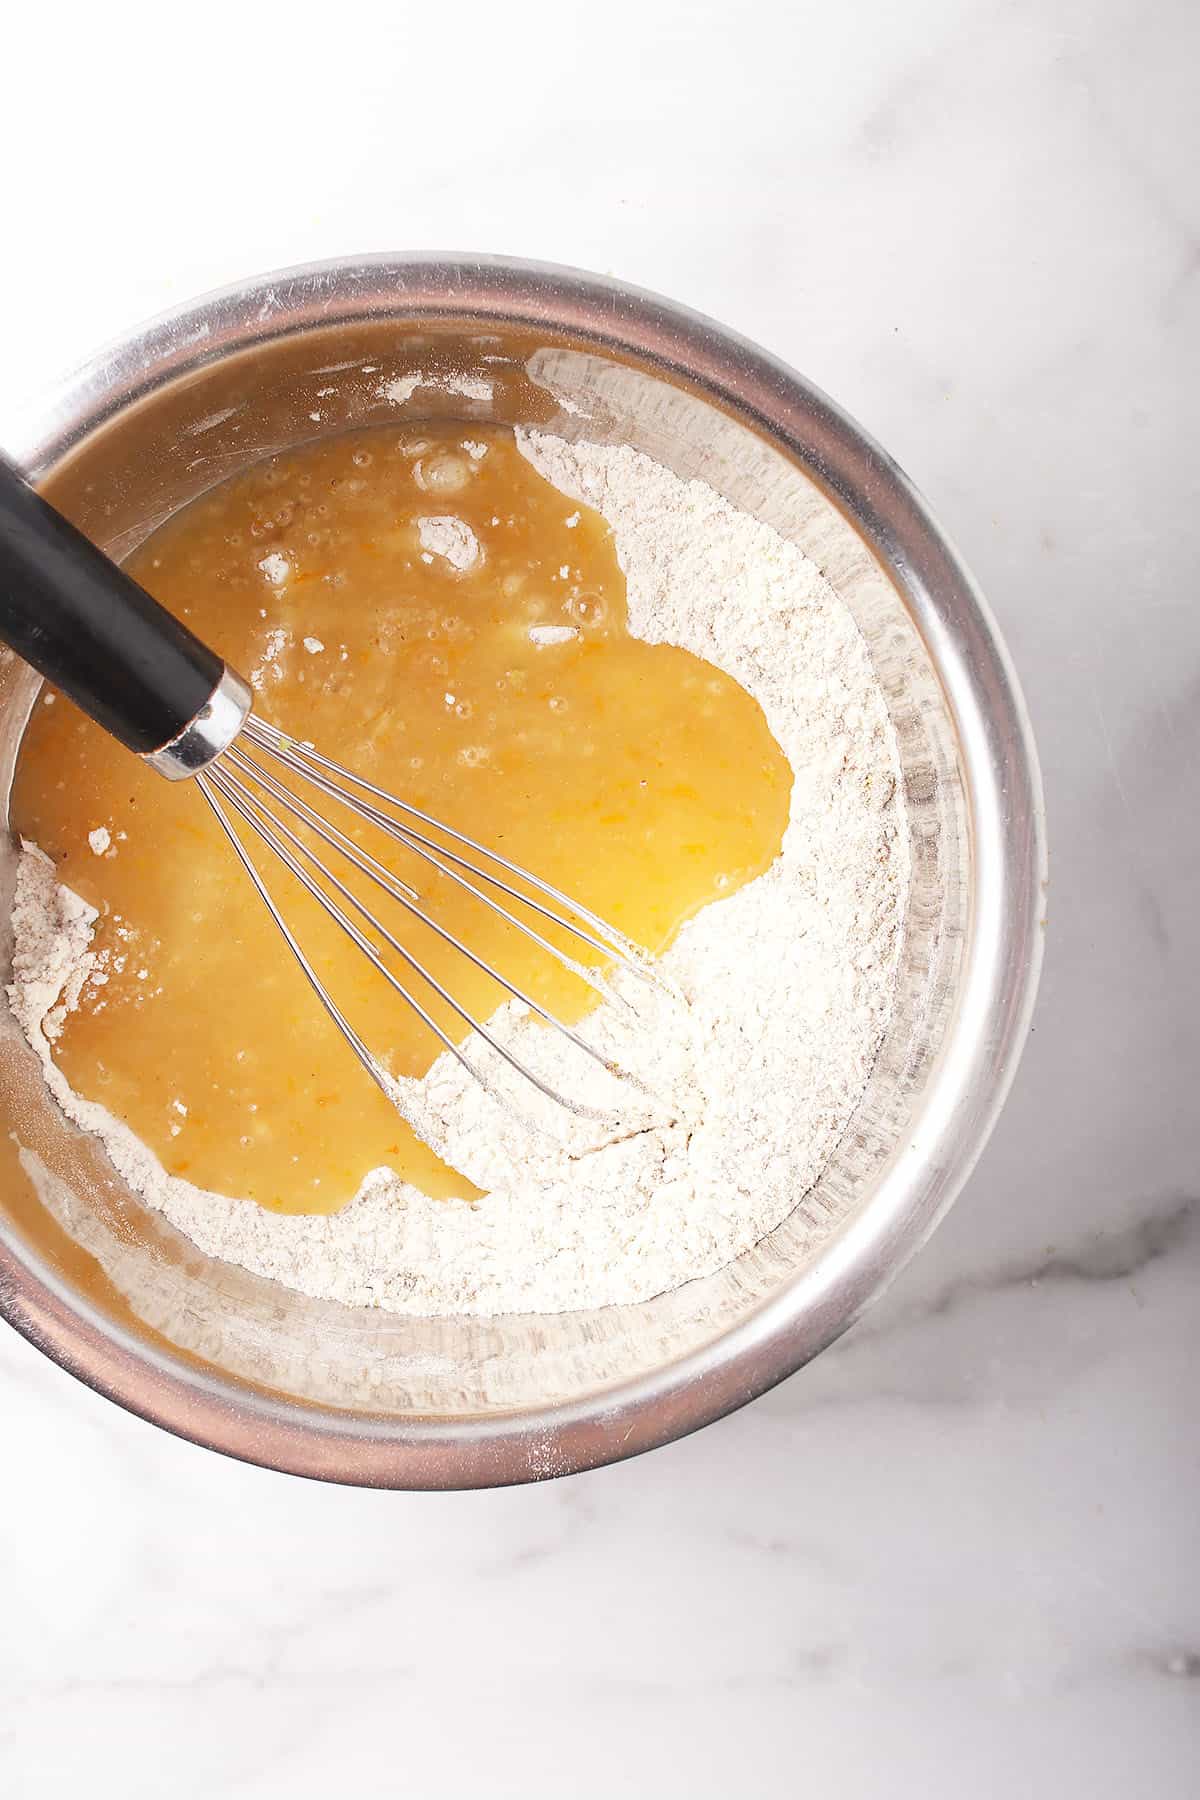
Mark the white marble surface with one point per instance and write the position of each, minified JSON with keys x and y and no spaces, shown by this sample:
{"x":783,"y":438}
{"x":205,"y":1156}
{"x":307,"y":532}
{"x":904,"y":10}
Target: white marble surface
{"x":958,"y":1555}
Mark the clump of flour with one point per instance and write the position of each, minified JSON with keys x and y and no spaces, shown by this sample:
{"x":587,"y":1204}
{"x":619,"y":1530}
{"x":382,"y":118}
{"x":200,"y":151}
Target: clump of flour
{"x":399,"y":389}
{"x":755,"y":1048}
{"x":52,"y":956}
{"x":450,"y":538}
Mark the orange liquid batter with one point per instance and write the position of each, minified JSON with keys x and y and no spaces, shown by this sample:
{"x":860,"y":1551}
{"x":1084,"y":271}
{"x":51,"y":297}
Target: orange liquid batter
{"x":638,"y":778}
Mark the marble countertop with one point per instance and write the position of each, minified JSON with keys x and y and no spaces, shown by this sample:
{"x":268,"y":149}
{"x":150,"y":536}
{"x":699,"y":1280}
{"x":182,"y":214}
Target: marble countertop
{"x":957,"y":1555}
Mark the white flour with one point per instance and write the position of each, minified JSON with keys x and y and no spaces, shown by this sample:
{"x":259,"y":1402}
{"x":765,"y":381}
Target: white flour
{"x":757,"y":1059}
{"x":450,"y":538}
{"x":399,"y":389}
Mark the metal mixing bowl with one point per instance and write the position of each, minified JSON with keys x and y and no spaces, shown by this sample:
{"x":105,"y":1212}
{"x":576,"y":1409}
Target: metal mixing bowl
{"x":107,"y":1288}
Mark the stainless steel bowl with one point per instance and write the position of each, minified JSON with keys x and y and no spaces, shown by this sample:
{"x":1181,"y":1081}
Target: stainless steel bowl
{"x":104,"y":1286}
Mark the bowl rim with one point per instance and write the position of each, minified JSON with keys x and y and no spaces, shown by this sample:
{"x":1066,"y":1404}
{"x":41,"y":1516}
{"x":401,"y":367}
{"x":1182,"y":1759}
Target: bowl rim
{"x":1002,"y":953}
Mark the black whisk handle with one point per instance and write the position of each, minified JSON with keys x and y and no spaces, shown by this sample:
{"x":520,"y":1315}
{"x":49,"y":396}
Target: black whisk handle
{"x":92,"y":631}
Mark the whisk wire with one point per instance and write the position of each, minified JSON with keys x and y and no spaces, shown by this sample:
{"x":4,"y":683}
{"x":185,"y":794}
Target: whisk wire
{"x":295,"y":755}
{"x":433,"y":854}
{"x":272,"y":832}
{"x":357,"y":937}
{"x":441,"y":859}
{"x":400,"y":891}
{"x":336,"y":1015}
{"x":238,"y":782}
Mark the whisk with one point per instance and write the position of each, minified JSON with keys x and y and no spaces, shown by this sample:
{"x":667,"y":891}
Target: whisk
{"x":85,"y":625}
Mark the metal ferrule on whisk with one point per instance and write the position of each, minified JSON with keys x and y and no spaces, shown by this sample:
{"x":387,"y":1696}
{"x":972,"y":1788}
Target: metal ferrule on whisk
{"x":210,"y":732}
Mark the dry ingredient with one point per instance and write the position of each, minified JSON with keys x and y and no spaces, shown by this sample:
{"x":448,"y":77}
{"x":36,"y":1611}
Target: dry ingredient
{"x":755,"y":1050}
